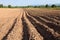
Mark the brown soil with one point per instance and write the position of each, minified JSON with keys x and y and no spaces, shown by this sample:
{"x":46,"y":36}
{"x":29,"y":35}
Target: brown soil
{"x":29,"y":24}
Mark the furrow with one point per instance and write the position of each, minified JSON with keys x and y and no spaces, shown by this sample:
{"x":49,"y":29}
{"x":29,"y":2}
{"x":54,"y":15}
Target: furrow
{"x":50,"y":32}
{"x":34,"y":35}
{"x":56,"y":18}
{"x":25,"y":30}
{"x":57,"y":21}
{"x":17,"y":32}
{"x":51,"y":24}
{"x":51,"y":19}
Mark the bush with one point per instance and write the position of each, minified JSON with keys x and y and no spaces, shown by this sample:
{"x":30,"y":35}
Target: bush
{"x":9,"y":6}
{"x":1,"y":5}
{"x":46,"y":5}
{"x":53,"y":6}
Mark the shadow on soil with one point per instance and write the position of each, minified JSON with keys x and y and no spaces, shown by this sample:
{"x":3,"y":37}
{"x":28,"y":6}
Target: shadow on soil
{"x":51,"y":25}
{"x":25,"y":29}
{"x":41,"y":29}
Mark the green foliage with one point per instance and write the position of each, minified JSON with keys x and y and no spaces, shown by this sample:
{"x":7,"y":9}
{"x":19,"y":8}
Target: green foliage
{"x":53,"y":6}
{"x":30,"y":6}
{"x":37,"y":6}
{"x":9,"y":6}
{"x":46,"y":5}
{"x":1,"y":5}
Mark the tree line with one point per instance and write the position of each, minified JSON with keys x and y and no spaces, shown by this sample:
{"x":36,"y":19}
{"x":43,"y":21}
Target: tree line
{"x":2,"y":6}
{"x":30,"y":6}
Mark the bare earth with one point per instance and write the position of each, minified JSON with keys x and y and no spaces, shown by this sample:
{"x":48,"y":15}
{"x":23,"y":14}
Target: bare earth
{"x":29,"y":24}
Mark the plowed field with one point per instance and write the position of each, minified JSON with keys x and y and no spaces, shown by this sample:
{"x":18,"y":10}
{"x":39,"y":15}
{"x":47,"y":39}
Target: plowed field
{"x":29,"y":24}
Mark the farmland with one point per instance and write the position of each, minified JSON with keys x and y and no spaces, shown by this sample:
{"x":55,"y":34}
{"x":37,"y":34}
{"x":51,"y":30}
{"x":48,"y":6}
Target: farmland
{"x":29,"y":24}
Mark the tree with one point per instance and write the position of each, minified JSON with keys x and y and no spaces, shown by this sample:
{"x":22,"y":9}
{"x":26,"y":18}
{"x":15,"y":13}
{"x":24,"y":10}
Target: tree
{"x":1,"y":5}
{"x":53,"y":6}
{"x":35,"y":6}
{"x":9,"y":6}
{"x":46,"y":5}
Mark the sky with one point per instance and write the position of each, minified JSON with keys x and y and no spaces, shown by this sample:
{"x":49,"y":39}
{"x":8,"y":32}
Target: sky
{"x":28,"y":2}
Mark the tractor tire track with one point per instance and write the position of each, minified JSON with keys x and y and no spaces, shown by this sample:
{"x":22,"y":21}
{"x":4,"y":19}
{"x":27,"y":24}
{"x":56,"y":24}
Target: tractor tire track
{"x":5,"y":37}
{"x":4,"y":30}
{"x":17,"y":32}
